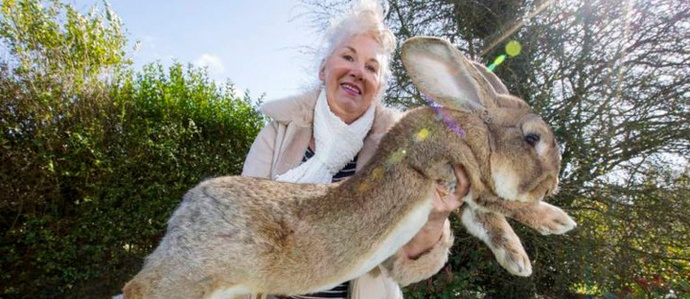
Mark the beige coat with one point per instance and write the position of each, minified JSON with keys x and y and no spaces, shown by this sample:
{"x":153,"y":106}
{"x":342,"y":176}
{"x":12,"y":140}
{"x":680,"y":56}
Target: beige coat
{"x":280,"y":146}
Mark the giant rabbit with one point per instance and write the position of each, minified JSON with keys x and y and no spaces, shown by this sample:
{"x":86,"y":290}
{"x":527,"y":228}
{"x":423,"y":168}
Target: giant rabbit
{"x":241,"y":235}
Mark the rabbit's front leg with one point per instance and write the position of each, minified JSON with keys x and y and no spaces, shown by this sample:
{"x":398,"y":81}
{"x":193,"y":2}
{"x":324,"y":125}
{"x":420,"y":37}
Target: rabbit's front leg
{"x":496,"y":232}
{"x":544,"y":218}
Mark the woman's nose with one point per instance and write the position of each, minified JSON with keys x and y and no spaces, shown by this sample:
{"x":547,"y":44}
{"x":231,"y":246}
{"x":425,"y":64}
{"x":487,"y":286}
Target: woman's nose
{"x":357,"y":72}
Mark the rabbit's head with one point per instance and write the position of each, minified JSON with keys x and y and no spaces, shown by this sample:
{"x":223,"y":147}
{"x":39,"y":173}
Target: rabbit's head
{"x":524,"y":158}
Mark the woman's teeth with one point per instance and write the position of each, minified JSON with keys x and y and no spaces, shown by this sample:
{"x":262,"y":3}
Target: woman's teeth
{"x":351,"y":89}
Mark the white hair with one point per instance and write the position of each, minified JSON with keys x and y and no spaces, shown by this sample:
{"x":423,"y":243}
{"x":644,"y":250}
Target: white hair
{"x":365,"y":17}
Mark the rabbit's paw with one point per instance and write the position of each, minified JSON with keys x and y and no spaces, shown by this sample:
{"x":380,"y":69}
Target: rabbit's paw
{"x":514,"y":259}
{"x":554,"y":221}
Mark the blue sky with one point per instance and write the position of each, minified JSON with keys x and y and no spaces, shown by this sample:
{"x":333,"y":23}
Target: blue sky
{"x":258,"y":45}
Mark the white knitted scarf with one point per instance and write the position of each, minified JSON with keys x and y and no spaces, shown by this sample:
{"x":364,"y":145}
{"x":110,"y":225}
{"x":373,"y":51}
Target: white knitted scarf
{"x":337,"y":143}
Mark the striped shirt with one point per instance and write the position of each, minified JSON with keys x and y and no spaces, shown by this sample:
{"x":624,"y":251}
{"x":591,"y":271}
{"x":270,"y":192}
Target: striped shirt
{"x":347,"y":171}
{"x":340,"y":291}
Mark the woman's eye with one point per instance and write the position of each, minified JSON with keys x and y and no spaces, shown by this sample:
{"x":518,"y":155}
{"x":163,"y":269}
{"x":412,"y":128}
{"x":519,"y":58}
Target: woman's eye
{"x":372,"y":69}
{"x":348,"y":57}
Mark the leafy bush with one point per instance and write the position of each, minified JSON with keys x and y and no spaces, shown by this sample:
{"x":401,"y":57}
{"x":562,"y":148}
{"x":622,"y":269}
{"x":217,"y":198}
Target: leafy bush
{"x":90,"y":178}
{"x":94,"y":157}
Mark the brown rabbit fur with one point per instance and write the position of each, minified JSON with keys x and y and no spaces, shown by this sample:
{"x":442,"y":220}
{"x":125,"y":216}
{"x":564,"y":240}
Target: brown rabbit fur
{"x":240,"y":235}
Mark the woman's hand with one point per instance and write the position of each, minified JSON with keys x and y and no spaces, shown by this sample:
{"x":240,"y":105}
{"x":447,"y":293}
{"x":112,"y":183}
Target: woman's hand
{"x":443,"y":204}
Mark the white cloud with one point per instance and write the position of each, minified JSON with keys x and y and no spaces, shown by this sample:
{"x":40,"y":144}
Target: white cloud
{"x":212,"y":62}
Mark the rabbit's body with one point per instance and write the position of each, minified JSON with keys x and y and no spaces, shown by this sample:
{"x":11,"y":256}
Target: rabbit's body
{"x":315,"y":235}
{"x":240,"y":235}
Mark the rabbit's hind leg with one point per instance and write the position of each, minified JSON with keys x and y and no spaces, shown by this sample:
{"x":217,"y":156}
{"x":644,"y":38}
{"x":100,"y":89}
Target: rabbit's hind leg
{"x":133,"y":290}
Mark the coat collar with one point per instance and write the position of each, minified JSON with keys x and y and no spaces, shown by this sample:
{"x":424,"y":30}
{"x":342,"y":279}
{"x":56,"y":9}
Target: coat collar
{"x":299,"y":110}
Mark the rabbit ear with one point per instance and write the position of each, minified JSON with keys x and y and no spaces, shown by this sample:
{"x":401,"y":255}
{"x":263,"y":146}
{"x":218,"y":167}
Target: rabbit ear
{"x":441,"y":71}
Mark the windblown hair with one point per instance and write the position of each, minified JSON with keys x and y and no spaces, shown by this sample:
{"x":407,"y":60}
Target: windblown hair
{"x":365,"y":17}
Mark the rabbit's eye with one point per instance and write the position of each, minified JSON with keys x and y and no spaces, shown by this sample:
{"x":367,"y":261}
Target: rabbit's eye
{"x":532,"y":139}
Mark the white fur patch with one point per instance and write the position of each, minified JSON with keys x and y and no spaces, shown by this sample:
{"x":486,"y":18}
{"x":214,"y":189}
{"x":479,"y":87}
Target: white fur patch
{"x":400,"y":235}
{"x":541,"y":148}
{"x":229,"y":293}
{"x":506,"y":183}
{"x":472,"y":226}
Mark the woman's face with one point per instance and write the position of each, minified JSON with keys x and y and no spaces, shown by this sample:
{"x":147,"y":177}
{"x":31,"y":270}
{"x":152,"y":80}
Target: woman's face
{"x":352,"y":76}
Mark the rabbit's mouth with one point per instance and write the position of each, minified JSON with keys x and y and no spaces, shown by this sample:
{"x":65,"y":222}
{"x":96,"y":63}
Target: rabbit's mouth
{"x":521,"y":189}
{"x":542,"y":187}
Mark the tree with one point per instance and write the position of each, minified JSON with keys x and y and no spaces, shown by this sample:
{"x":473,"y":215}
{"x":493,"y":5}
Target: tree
{"x":51,"y":39}
{"x":94,"y":156}
{"x":612,"y":80}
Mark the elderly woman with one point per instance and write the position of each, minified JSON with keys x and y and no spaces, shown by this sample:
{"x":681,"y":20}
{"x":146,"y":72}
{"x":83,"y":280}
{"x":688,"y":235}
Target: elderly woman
{"x":328,"y":134}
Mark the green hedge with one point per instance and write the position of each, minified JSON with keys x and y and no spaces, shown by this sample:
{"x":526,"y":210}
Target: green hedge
{"x":89,"y":177}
